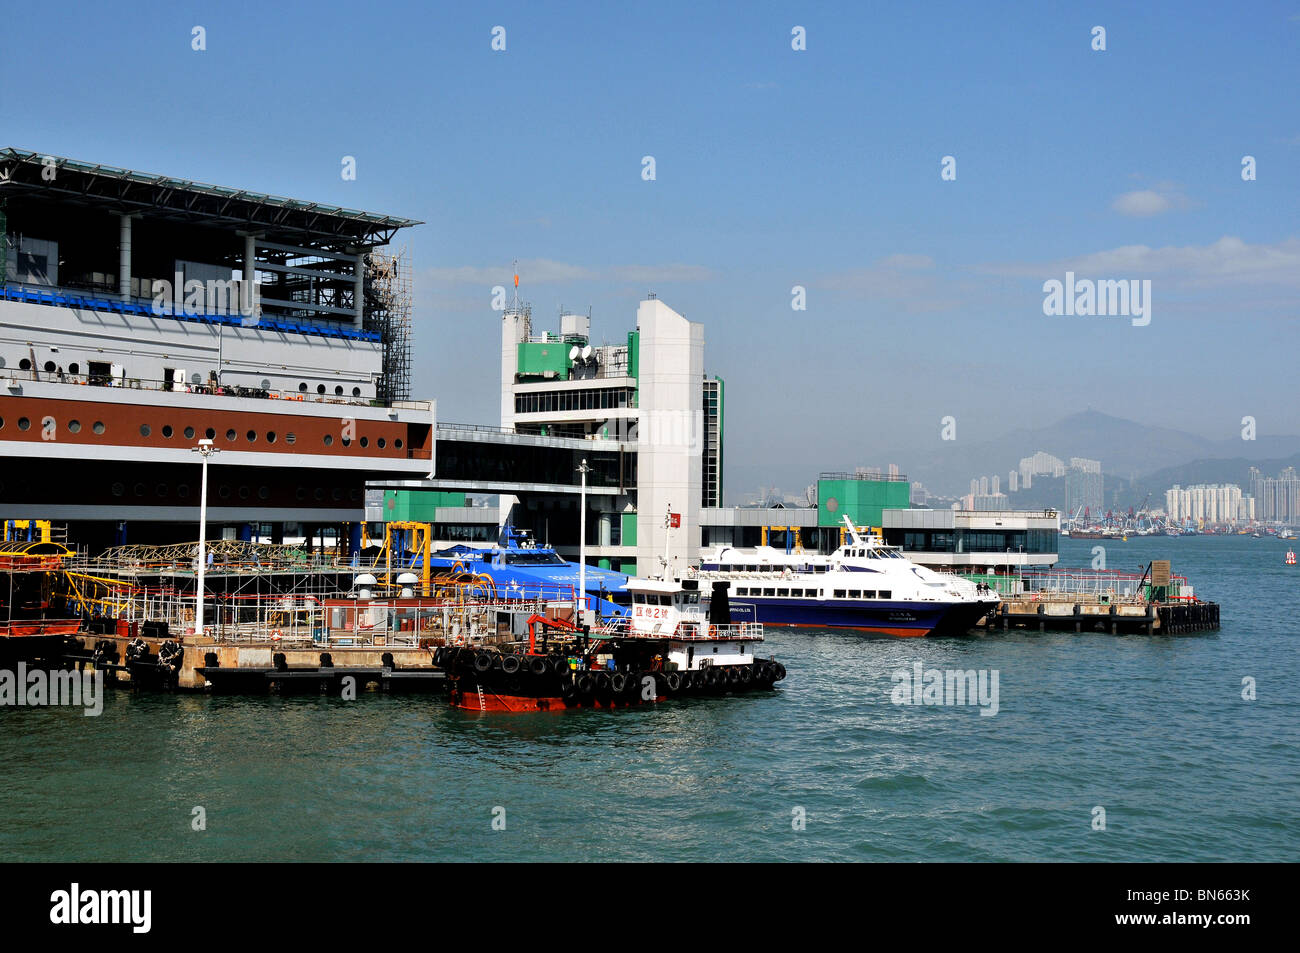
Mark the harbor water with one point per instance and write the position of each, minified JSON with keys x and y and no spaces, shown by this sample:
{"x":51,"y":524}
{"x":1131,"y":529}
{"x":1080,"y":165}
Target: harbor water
{"x":1154,"y":730}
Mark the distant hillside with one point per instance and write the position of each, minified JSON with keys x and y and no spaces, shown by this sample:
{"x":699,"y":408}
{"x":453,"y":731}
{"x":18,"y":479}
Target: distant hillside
{"x":1126,"y":449}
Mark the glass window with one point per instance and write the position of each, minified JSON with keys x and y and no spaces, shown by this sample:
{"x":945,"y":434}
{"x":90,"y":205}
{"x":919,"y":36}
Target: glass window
{"x":769,"y":592}
{"x":855,"y":593}
{"x":886,"y":593}
{"x":839,"y":593}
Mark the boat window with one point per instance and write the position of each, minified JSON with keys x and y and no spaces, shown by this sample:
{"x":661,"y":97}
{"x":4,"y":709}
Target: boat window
{"x":855,"y":593}
{"x":783,"y":592}
{"x":868,"y":593}
{"x":538,"y":558}
{"x":839,"y":593}
{"x":769,"y":592}
{"x":886,"y":593}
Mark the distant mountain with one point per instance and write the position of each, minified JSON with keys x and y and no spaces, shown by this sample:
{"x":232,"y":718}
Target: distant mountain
{"x":1126,"y":449}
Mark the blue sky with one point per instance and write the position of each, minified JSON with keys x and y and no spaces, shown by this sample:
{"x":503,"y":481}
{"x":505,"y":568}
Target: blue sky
{"x":775,"y":168}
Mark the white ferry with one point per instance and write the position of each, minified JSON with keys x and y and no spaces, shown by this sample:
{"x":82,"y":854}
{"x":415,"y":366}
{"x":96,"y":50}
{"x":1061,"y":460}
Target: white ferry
{"x":864,"y":584}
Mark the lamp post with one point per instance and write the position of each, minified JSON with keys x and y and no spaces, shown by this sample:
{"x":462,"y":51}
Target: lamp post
{"x":205,"y":449}
{"x":582,"y":540}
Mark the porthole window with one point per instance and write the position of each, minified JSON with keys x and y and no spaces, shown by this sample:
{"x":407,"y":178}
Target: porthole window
{"x":183,"y":491}
{"x":49,"y":367}
{"x":302,"y":388}
{"x":266,"y":385}
{"x":320,"y":388}
{"x":263,"y":493}
{"x":329,"y":440}
{"x":243,"y":492}
{"x":252,"y":436}
{"x":336,"y":494}
{"x":354,"y":494}
{"x":365,"y":442}
{"x":138,"y":489}
{"x":356,"y":392}
{"x":74,"y":426}
{"x":210,"y":434}
{"x":196,"y":379}
{"x":301,"y":494}
{"x":290,"y":438}
{"x":319,"y":494}
{"x":145,"y":430}
{"x":24,"y":365}
{"x":347,"y":442}
{"x":98,"y":426}
{"x":270,"y":436}
{"x":382,"y":443}
{"x":74,"y":368}
{"x":118,"y":489}
{"x":160,"y":490}
{"x":398,"y":443}
{"x":167,"y":431}
{"x":189,"y":433}
{"x":2,"y":423}
{"x":224,"y":492}
{"x":231,"y":436}
{"x":24,"y":423}
{"x":339,"y":391}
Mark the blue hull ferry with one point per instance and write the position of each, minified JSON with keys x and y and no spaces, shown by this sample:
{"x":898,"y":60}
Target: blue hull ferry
{"x":518,"y":568}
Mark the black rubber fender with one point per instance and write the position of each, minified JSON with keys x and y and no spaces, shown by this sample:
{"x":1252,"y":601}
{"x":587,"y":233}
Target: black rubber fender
{"x":537,"y":665}
{"x":618,"y":683}
{"x":482,"y":660}
{"x":673,"y":681}
{"x":510,"y":664}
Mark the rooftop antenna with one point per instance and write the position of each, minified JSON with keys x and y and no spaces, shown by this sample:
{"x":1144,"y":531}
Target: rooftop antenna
{"x":515,"y":267}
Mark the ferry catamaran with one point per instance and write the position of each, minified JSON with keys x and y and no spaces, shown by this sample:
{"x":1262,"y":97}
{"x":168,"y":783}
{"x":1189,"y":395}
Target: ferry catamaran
{"x":519,"y":567}
{"x":864,"y":584}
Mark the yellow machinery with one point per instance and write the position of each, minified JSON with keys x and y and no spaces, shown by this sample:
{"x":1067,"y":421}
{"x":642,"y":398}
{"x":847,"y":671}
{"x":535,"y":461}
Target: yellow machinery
{"x":397,"y":543}
{"x":42,"y":527}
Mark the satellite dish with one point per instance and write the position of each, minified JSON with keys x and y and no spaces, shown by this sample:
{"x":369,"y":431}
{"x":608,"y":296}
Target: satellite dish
{"x":573,"y":353}
{"x":586,"y":353}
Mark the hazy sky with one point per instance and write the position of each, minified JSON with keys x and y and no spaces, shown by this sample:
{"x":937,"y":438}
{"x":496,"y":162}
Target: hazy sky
{"x":774,"y":168}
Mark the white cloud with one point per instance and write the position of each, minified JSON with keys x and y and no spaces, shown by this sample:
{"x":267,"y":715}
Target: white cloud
{"x":1147,"y":202}
{"x":1228,"y":261}
{"x":909,"y":281}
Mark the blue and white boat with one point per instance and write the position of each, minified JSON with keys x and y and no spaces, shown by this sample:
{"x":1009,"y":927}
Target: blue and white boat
{"x":864,"y":584}
{"x":517,"y":567}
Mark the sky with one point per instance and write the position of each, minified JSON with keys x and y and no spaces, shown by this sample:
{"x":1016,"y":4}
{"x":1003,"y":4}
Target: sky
{"x":774,"y":168}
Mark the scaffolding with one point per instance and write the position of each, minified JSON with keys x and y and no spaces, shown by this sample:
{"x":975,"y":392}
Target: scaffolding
{"x":388,"y":312}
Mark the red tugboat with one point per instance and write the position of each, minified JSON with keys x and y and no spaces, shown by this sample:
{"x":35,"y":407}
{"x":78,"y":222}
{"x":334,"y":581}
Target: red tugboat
{"x":673,"y":644}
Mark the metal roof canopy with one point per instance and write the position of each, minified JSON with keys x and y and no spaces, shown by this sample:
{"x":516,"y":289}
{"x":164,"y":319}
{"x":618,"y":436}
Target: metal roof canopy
{"x":160,"y":197}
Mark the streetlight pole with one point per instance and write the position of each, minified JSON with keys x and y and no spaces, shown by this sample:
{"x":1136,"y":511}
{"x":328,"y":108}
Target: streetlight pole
{"x":582,"y":540}
{"x":205,"y":449}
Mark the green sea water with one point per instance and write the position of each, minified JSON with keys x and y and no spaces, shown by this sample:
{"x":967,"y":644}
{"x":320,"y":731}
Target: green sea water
{"x":1154,"y":730}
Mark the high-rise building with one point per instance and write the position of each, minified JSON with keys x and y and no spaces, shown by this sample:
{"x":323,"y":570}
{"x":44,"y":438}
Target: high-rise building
{"x":1013,"y":481}
{"x":1083,"y":486}
{"x":649,"y":399}
{"x":996,"y":484}
{"x":1277,"y":499}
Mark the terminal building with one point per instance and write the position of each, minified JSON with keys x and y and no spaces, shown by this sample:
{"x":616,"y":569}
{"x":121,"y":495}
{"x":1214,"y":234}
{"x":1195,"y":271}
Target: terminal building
{"x":140,"y":314}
